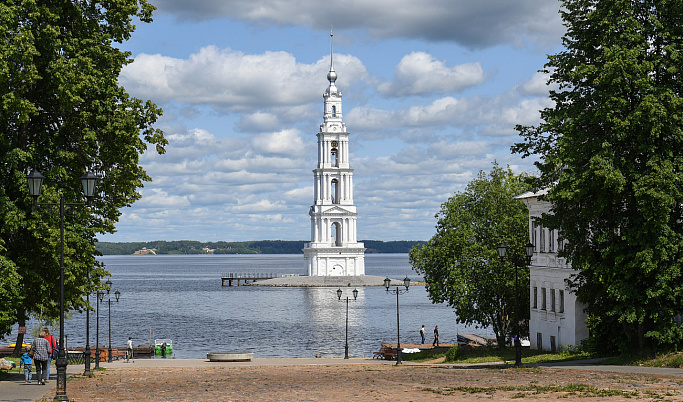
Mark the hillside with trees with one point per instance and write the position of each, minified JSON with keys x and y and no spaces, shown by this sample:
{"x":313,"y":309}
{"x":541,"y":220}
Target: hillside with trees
{"x":243,"y":247}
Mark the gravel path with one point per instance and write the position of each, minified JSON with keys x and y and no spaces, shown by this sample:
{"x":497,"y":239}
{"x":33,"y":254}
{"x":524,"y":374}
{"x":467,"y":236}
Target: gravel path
{"x":369,"y":382}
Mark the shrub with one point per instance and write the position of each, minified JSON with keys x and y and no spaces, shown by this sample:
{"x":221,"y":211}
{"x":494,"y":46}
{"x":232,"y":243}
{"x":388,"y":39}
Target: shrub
{"x":452,"y":354}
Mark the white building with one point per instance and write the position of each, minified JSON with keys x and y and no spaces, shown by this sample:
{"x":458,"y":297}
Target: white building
{"x":334,"y":249}
{"x":557,"y":318}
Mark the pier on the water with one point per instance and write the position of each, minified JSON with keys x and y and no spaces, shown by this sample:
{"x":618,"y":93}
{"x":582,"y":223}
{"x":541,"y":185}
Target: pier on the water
{"x":229,"y":278}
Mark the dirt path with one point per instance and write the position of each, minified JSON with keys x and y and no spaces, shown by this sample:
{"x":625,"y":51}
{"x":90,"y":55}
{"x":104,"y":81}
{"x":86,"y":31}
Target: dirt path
{"x":369,"y":382}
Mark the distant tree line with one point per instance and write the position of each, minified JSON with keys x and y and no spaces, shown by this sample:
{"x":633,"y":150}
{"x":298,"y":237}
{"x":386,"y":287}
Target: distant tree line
{"x":242,"y":247}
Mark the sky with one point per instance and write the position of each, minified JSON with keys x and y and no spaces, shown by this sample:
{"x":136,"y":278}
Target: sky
{"x":432,"y":91}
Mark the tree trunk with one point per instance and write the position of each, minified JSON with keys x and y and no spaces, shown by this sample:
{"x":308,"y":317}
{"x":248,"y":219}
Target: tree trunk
{"x":18,"y":348}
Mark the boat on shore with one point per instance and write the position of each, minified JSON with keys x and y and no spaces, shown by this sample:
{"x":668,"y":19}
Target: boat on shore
{"x":163,"y":347}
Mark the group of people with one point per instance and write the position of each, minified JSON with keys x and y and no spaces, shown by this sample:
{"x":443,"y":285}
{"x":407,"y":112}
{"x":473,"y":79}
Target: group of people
{"x":436,"y":335}
{"x":41,"y":353}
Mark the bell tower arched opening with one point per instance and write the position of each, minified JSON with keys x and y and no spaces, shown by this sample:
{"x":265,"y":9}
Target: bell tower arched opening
{"x":336,"y":232}
{"x":335,"y":191}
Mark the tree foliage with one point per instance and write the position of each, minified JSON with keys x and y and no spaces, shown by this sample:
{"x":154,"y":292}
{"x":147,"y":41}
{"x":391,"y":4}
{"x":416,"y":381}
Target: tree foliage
{"x":460,"y":262}
{"x":611,"y":150}
{"x":63,"y":113}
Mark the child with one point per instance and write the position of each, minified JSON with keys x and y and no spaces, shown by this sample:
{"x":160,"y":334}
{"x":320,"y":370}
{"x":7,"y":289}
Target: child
{"x":27,"y":361}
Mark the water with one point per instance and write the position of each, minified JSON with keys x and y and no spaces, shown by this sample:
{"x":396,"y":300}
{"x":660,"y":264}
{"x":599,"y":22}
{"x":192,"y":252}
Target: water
{"x":181,"y":298}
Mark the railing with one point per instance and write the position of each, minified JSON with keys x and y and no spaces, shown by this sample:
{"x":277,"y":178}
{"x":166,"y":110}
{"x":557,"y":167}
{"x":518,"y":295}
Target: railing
{"x":259,"y":275}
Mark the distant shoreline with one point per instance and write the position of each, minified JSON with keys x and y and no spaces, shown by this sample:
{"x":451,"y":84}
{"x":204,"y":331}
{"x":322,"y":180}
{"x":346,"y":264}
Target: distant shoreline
{"x":191,"y":247}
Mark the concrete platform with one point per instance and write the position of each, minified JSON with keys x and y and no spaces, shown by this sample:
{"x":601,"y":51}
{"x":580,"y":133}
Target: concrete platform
{"x":327,"y":281}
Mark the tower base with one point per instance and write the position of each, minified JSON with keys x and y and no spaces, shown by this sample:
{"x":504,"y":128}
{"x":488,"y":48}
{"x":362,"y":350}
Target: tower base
{"x":335,"y":261}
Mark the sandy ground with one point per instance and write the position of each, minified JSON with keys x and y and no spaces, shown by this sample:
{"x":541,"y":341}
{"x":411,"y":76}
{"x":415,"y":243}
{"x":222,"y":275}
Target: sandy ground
{"x":369,"y":382}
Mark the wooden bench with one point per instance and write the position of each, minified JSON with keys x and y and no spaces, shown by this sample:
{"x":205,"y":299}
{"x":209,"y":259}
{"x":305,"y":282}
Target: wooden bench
{"x":385,"y":352}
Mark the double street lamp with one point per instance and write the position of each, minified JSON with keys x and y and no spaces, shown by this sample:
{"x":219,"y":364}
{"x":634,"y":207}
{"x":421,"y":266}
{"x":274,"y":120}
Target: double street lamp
{"x":502,"y":252}
{"x":355,"y":296}
{"x":35,"y":184}
{"x":397,"y":291}
{"x":117,"y":294}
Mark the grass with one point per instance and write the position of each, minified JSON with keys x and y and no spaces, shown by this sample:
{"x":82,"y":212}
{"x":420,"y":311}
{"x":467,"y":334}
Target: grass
{"x":581,"y":390}
{"x":671,"y":359}
{"x":467,"y":354}
{"x":471,"y":355}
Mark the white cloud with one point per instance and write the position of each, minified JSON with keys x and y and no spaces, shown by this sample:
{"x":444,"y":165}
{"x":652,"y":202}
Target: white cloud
{"x":537,"y":85}
{"x":285,"y":142}
{"x":419,"y":73}
{"x":233,"y":80}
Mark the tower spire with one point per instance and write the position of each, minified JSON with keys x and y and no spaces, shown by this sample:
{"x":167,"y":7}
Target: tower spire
{"x":331,"y":49}
{"x":332,"y":75}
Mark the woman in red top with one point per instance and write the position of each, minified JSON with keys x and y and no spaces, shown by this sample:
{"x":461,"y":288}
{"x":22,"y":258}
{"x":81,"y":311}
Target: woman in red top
{"x":53,"y":351}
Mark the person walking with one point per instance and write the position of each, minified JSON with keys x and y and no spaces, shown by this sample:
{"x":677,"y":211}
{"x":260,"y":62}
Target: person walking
{"x":53,"y":352}
{"x":422,"y":334}
{"x":436,"y":336}
{"x":129,"y":352}
{"x":41,"y":354}
{"x":27,"y":361}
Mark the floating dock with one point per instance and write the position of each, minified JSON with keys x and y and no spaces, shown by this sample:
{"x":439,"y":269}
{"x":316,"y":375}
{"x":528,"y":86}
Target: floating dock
{"x":229,"y":278}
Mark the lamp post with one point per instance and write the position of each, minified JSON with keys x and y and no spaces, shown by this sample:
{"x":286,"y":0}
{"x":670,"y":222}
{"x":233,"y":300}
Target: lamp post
{"x":117,"y":294}
{"x":502,"y":252}
{"x":35,"y":184}
{"x":355,"y":296}
{"x":97,"y":341}
{"x":397,"y":291}
{"x":87,"y":372}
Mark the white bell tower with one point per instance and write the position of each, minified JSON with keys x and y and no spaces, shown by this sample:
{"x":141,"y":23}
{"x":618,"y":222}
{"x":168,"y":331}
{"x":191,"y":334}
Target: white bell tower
{"x":334,"y":249}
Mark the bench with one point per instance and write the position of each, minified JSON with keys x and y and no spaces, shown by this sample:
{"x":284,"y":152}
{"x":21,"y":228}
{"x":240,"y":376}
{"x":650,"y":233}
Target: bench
{"x":385,"y":352}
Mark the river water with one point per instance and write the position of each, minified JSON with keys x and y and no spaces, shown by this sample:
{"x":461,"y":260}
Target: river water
{"x":180,"y":297}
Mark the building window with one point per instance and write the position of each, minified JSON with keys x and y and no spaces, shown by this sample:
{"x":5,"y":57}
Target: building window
{"x":553,"y":344}
{"x":552,"y":299}
{"x":542,"y":239}
{"x":551,"y":245}
{"x":535,"y":300}
{"x":561,"y":309}
{"x":543,"y":304}
{"x":539,"y":341}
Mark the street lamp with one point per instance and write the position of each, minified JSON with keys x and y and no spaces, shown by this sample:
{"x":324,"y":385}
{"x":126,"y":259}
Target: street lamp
{"x":397,"y":291}
{"x":97,"y":341}
{"x":355,"y":296}
{"x":502,"y":252}
{"x":35,"y":184}
{"x":117,"y":294}
{"x":87,"y":372}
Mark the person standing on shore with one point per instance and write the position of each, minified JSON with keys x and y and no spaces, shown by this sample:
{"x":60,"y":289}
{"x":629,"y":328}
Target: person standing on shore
{"x":422,"y":334}
{"x":436,"y":336}
{"x":41,"y":349}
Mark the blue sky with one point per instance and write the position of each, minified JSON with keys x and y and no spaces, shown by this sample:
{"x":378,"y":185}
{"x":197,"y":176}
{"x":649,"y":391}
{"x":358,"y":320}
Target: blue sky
{"x":431,"y":94}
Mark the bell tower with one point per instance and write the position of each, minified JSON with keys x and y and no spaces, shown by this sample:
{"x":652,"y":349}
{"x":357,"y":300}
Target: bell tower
{"x":334,"y":249}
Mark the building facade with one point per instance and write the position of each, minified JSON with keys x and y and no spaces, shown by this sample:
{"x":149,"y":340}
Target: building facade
{"x":557,"y":319}
{"x":334,"y":249}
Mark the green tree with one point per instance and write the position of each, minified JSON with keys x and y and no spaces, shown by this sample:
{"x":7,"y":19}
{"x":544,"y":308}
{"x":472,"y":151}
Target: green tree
{"x":63,"y":113}
{"x":460,"y":262}
{"x":611,"y":153}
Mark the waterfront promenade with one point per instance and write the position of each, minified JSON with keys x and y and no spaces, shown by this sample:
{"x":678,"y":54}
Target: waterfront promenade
{"x":312,"y":379}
